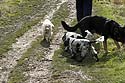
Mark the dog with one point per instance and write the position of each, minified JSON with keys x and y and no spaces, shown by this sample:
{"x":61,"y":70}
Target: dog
{"x":67,"y":35}
{"x":47,"y":30}
{"x":74,"y":42}
{"x":88,"y":36}
{"x":102,"y":26}
{"x":83,"y":47}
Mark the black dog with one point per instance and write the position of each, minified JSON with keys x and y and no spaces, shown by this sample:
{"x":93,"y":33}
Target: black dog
{"x":100,"y":25}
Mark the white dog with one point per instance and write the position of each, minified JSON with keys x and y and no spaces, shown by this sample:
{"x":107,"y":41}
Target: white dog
{"x":47,"y":30}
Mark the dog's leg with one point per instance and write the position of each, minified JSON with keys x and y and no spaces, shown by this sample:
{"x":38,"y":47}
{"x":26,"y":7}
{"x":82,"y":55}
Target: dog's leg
{"x":66,"y":49}
{"x":73,"y":56}
{"x":105,"y":46}
{"x":94,"y":53}
{"x":117,"y":44}
{"x":123,"y":45}
{"x":96,"y":57}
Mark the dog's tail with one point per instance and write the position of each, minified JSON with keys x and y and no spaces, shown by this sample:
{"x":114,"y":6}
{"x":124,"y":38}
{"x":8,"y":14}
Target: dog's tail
{"x":100,"y":39}
{"x":68,"y":28}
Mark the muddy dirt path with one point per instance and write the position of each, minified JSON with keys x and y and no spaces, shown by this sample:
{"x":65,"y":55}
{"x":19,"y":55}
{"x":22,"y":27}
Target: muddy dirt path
{"x":20,"y":47}
{"x":42,"y":71}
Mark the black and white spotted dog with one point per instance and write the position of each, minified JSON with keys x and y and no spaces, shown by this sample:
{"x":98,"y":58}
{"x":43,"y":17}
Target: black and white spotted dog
{"x":79,"y":46}
{"x":83,"y":47}
{"x":66,"y":40}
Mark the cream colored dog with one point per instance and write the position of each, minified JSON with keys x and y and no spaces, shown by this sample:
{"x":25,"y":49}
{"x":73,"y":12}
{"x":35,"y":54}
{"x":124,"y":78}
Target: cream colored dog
{"x":47,"y":30}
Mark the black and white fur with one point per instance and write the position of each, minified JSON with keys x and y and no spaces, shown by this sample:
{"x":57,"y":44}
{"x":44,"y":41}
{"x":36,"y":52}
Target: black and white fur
{"x":66,"y":40}
{"x":83,"y":46}
{"x":78,"y":46}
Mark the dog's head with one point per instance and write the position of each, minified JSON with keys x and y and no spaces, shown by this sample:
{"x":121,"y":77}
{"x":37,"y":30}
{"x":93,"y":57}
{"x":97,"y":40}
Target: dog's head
{"x":47,"y":22}
{"x":111,"y":24}
{"x":122,"y":35}
{"x":116,"y":31}
{"x":66,"y":43}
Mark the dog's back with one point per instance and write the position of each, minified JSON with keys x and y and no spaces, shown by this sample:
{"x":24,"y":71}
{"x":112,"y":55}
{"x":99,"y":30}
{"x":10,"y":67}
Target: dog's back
{"x":100,"y":25}
{"x":95,"y":24}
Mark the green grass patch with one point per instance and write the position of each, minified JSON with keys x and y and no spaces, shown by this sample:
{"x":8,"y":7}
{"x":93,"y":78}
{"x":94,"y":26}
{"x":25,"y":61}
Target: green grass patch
{"x":60,"y":15}
{"x":60,"y":62}
{"x":16,"y":10}
{"x":110,"y":68}
{"x":113,"y":12}
{"x":11,"y":38}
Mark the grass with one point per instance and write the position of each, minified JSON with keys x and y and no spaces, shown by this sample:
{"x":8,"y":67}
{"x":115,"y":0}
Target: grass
{"x":11,"y":38}
{"x":110,"y":68}
{"x":109,"y":11}
{"x":16,"y":10}
{"x":36,"y":51}
{"x":60,"y":15}
{"x":60,"y":62}
{"x":12,"y":12}
{"x":25,"y":9}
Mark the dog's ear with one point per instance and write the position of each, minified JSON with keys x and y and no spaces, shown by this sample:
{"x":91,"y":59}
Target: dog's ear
{"x":110,"y":25}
